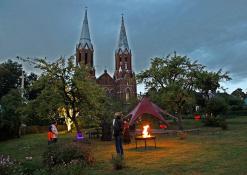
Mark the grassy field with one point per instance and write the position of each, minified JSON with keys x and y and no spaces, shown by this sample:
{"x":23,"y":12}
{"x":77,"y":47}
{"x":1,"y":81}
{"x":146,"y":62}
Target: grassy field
{"x":211,"y":151}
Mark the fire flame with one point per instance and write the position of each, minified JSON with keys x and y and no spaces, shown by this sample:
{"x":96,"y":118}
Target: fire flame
{"x":145,"y":132}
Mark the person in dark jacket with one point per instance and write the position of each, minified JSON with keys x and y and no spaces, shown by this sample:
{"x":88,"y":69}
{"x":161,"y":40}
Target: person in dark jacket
{"x":118,"y":133}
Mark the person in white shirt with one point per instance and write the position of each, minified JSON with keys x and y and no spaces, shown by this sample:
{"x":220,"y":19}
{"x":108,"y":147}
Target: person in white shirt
{"x":54,"y":131}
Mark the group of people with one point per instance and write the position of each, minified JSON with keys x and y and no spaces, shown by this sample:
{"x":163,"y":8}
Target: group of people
{"x":52,"y":133}
{"x":120,"y":133}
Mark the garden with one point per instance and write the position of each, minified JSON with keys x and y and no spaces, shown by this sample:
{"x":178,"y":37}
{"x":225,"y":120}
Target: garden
{"x":208,"y":151}
{"x":194,"y":127}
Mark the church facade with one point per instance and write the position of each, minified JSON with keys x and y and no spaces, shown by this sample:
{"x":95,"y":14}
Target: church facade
{"x":122,"y":85}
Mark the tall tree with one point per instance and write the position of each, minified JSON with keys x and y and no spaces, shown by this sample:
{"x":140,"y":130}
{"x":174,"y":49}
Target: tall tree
{"x":239,"y":93}
{"x":10,"y":73}
{"x":174,"y":80}
{"x":207,"y":82}
{"x":65,"y":85}
{"x":10,"y":114}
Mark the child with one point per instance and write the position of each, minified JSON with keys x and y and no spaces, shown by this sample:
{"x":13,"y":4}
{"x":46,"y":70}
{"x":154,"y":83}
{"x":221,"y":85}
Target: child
{"x":50,"y":135}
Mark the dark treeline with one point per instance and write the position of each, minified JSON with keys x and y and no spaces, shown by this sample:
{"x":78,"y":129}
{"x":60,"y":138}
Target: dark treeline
{"x":65,"y":92}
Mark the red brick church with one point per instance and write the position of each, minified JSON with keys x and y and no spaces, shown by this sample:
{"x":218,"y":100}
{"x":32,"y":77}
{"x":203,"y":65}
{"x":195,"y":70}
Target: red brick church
{"x":122,"y":84}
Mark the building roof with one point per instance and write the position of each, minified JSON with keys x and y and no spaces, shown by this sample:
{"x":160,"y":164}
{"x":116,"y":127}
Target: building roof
{"x":105,"y":78}
{"x":85,"y":40}
{"x":123,"y":41}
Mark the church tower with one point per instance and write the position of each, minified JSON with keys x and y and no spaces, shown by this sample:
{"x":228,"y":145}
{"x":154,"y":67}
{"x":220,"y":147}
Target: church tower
{"x":124,"y":76}
{"x":84,"y":50}
{"x":122,"y":53}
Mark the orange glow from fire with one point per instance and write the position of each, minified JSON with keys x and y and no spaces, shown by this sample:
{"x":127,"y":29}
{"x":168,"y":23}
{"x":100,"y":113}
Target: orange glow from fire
{"x":145,"y":132}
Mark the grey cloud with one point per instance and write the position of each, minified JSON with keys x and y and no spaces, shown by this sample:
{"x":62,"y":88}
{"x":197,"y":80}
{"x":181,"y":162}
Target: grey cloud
{"x":213,"y":31}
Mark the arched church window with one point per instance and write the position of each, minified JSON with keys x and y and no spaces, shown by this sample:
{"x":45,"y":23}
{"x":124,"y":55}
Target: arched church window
{"x":92,"y":60}
{"x":125,"y":65}
{"x":86,"y":58}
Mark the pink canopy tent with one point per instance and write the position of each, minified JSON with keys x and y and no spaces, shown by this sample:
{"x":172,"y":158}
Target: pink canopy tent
{"x":145,"y":106}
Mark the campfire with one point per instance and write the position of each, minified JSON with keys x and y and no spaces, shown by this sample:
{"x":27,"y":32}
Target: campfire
{"x":145,"y":132}
{"x":145,"y":136}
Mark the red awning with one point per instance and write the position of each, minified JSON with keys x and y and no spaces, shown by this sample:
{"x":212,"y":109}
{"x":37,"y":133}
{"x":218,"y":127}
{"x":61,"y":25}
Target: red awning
{"x":145,"y":106}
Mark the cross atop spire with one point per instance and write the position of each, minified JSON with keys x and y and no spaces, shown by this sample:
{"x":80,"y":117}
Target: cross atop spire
{"x":123,"y":41}
{"x":85,"y":39}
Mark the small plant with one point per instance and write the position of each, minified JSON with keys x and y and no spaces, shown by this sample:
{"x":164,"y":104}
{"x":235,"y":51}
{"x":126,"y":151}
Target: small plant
{"x":118,"y":162}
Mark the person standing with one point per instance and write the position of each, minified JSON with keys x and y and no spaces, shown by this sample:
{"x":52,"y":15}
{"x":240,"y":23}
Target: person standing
{"x":118,"y":133}
{"x":50,"y":135}
{"x":54,"y":131}
{"x":126,"y":134}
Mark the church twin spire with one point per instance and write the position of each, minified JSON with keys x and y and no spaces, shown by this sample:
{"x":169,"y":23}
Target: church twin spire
{"x":123,"y":84}
{"x":85,"y":40}
{"x":122,"y":53}
{"x":123,"y":41}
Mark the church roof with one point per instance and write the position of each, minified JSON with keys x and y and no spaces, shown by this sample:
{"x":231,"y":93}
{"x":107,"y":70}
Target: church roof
{"x":85,"y":40}
{"x":123,"y":41}
{"x":105,"y":78}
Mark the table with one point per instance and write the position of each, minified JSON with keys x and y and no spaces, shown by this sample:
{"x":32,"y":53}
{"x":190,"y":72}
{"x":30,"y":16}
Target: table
{"x":145,"y":140}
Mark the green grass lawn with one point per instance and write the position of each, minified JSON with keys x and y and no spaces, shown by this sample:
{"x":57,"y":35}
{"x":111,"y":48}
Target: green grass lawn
{"x":211,"y":151}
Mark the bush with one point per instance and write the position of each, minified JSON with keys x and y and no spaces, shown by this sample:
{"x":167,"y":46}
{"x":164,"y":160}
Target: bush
{"x":70,"y":169}
{"x":9,"y":166}
{"x":68,"y":154}
{"x":212,"y":120}
{"x":29,"y":167}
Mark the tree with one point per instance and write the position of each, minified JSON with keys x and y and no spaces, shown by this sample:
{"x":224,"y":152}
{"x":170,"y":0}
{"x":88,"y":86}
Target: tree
{"x":207,"y":82}
{"x":10,"y":73}
{"x":65,"y":85}
{"x":215,"y":109}
{"x":11,"y":116}
{"x":239,"y":93}
{"x":174,"y":81}
{"x":31,"y":93}
{"x":235,"y":103}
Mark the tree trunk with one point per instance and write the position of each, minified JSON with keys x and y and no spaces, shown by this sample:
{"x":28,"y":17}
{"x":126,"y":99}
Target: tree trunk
{"x":106,"y":131}
{"x":180,"y":125}
{"x":76,"y":125}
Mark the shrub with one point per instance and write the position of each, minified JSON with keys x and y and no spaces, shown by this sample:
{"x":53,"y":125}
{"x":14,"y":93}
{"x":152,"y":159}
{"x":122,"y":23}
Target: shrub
{"x":29,"y":167}
{"x":70,"y":169}
{"x":118,"y":162}
{"x":67,"y":154}
{"x":215,"y":121}
{"x":9,"y":166}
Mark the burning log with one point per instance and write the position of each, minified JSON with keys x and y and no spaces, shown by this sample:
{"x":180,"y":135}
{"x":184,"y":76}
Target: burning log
{"x":146,"y":131}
